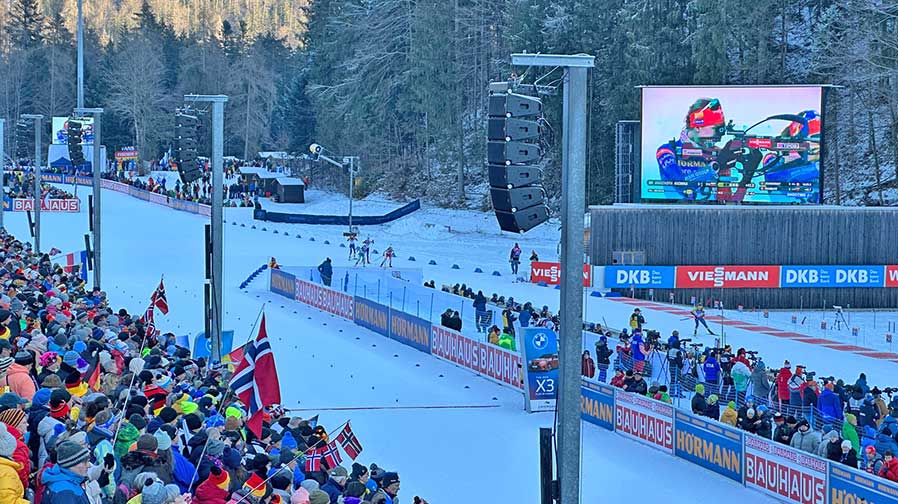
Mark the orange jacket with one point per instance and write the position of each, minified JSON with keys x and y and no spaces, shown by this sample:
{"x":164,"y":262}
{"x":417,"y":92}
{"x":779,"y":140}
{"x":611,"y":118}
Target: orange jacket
{"x":20,"y":381}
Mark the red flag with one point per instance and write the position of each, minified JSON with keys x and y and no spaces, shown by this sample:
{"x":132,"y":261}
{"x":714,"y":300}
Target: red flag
{"x":313,"y":459}
{"x":93,"y":381}
{"x":349,"y":442}
{"x":236,"y":356}
{"x":159,"y":299}
{"x":255,"y":381}
{"x":331,"y":455}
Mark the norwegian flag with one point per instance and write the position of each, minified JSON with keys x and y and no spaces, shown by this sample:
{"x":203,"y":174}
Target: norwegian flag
{"x":159,"y":300}
{"x":349,"y":442}
{"x":69,"y":261}
{"x":255,"y":381}
{"x":332,"y":455}
{"x":313,"y":459}
{"x":149,"y":322}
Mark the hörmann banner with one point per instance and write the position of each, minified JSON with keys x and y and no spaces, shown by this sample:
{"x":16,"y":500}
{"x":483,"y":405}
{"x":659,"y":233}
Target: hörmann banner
{"x":410,"y":330}
{"x":283,"y":283}
{"x":371,"y":315}
{"x":711,"y":445}
{"x":850,"y":486}
{"x":489,"y":361}
{"x":597,"y":404}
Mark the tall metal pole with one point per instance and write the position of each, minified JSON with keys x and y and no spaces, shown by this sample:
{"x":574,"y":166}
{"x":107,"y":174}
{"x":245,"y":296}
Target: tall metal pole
{"x":2,"y":166}
{"x":80,"y":100}
{"x":217,"y":223}
{"x":351,"y":185}
{"x":97,"y":162}
{"x":36,"y":119}
{"x":573,"y":207}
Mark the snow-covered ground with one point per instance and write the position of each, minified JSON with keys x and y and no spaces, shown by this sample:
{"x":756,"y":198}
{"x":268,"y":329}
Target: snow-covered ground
{"x":478,"y":443}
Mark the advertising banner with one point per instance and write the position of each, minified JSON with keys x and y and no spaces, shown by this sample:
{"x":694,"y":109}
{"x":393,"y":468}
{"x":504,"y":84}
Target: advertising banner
{"x":410,"y":330}
{"x":891,"y":276}
{"x":550,"y":273}
{"x":645,"y":420}
{"x":758,"y":144}
{"x":850,"y":486}
{"x":540,"y":368}
{"x":709,"y":444}
{"x":489,"y":361}
{"x":728,"y":277}
{"x":325,"y":299}
{"x":72,"y":205}
{"x":832,"y":276}
{"x":371,"y":315}
{"x":597,"y":404}
{"x":640,"y":277}
{"x":784,"y":473}
{"x":282,"y":283}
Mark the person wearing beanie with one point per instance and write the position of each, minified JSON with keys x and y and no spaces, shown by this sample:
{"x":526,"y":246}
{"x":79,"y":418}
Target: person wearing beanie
{"x":12,"y":489}
{"x":63,"y":480}
{"x":730,"y":416}
{"x":318,"y":497}
{"x":5,"y":363}
{"x":16,"y":423}
{"x":256,"y":486}
{"x":336,"y":482}
{"x":127,"y":435}
{"x":75,"y":385}
{"x":310,"y":484}
{"x":848,"y":455}
{"x":214,"y":489}
{"x":359,"y":473}
{"x":156,"y":396}
{"x":18,"y":376}
{"x":49,"y":363}
{"x":300,"y":496}
{"x":806,"y":439}
{"x":389,"y":489}
{"x":699,"y":404}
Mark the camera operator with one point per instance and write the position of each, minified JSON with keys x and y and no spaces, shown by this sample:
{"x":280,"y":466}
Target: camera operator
{"x":711,"y":370}
{"x":760,"y":384}
{"x":726,"y":368}
{"x":640,"y":351}
{"x":674,"y":363}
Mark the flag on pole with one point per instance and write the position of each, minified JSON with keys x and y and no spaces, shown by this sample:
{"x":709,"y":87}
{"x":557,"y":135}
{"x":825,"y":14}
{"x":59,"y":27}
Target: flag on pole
{"x":255,"y":381}
{"x":331,"y":454}
{"x":159,"y":300}
{"x":313,"y":422}
{"x":349,"y":442}
{"x":313,"y":459}
{"x":69,"y":261}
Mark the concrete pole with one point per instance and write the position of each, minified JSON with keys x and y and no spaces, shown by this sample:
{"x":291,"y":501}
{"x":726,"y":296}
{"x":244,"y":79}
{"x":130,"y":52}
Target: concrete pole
{"x":80,"y":100}
{"x":351,"y":185}
{"x":2,"y":166}
{"x":37,"y":184}
{"x":97,"y":169}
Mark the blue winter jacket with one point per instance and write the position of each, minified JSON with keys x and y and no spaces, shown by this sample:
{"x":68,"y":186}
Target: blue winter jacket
{"x":884,"y":443}
{"x":830,"y":405}
{"x":183,"y":471}
{"x":62,"y":486}
{"x":525,"y":318}
{"x":711,"y":369}
{"x":862,"y":384}
{"x":333,"y":489}
{"x":890,"y":422}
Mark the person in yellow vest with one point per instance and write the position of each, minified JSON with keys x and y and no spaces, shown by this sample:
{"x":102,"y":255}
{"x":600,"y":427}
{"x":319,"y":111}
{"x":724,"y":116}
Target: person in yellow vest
{"x":493,"y":337}
{"x":507,"y":341}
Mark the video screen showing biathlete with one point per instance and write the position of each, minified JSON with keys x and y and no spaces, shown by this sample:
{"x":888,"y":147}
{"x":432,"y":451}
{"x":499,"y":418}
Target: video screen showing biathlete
{"x":731,"y":144}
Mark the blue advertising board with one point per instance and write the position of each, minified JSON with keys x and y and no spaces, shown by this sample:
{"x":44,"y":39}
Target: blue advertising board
{"x":709,"y":444}
{"x":410,"y":330}
{"x":371,"y":315}
{"x":283,"y":283}
{"x":640,"y":277}
{"x":202,"y":346}
{"x":540,"y":367}
{"x":597,"y":404}
{"x":832,"y":276}
{"x":849,"y":486}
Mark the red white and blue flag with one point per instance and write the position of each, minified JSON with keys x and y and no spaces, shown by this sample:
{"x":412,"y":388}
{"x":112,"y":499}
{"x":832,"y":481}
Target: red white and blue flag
{"x":255,"y":381}
{"x":313,"y":459}
{"x":332,"y":455}
{"x":158,"y":300}
{"x":349,"y":442}
{"x":69,"y":261}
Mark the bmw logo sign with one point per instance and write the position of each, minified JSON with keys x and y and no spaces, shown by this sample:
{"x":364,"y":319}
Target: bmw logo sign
{"x":540,"y":341}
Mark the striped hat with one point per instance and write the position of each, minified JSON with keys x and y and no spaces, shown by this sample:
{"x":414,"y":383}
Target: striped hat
{"x":12,"y":417}
{"x":5,"y":362}
{"x":69,"y":454}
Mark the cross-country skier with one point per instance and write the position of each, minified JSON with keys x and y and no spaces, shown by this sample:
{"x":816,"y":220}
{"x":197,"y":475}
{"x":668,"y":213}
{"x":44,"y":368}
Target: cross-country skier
{"x":352,"y":249}
{"x":363,"y":254}
{"x":388,"y":257}
{"x":698,"y":314}
{"x":366,"y":246}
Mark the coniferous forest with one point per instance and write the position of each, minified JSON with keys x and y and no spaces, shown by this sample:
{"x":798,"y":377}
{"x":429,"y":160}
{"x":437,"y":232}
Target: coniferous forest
{"x":403,"y":83}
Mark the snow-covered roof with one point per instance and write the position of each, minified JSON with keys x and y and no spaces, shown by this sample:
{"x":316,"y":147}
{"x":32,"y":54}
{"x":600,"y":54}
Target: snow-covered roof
{"x":251,"y":169}
{"x":269,"y":175}
{"x":275,"y":155}
{"x":290,"y":181}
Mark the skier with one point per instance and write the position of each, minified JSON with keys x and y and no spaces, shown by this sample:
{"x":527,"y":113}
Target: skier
{"x":363,"y":253}
{"x":352,"y":249}
{"x":515,"y":258}
{"x":698,"y":314}
{"x":366,"y":247}
{"x":388,"y":257}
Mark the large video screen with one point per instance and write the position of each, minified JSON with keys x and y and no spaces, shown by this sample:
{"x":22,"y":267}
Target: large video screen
{"x":61,"y":135}
{"x":731,"y":144}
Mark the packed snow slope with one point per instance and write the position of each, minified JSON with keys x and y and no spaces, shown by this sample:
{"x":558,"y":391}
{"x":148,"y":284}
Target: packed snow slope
{"x":446,"y":430}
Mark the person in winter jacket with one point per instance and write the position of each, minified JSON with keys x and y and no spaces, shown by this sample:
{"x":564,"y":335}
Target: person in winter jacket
{"x":336,"y":483}
{"x":12,"y":491}
{"x":796,"y":382}
{"x":872,"y":462}
{"x":763,"y":427}
{"x":868,"y":414}
{"x":849,"y":432}
{"x":848,"y":455}
{"x":618,"y":379}
{"x":326,"y":269}
{"x":638,"y":386}
{"x":880,"y":404}
{"x":587,"y":365}
{"x":889,"y":469}
{"x":830,"y":446}
{"x":729,"y":415}
{"x":861,"y":384}
{"x":760,"y":385}
{"x":636,"y":319}
{"x":713,"y":409}
{"x":805,"y":439}
{"x":63,"y":481}
{"x":603,"y":357}
{"x":885,"y":442}
{"x":829,"y":404}
{"x":18,"y":376}
{"x":741,"y":374}
{"x":783,"y":432}
{"x":782,"y":383}
{"x":747,"y":423}
{"x":890,"y":421}
{"x":712,"y":372}
{"x":389,"y":489}
{"x":493,"y":335}
{"x":15,"y":421}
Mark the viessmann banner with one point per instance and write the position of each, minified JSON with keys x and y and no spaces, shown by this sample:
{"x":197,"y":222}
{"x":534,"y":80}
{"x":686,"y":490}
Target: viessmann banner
{"x":744,"y":277}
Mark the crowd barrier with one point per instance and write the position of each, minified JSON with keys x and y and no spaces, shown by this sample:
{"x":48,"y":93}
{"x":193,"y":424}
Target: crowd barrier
{"x":338,"y":220}
{"x":760,"y":464}
{"x":159,"y":199}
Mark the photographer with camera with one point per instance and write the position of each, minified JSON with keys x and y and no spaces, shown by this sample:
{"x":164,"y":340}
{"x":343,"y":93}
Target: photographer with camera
{"x":675,"y":363}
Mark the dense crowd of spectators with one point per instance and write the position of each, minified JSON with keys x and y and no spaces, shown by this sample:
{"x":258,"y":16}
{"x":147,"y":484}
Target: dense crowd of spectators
{"x":97,"y":410}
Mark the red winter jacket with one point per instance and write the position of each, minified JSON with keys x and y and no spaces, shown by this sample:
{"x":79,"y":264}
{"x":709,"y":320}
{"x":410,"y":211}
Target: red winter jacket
{"x":208,"y":492}
{"x":889,"y":469}
{"x":618,"y":381}
{"x":587,"y":367}
{"x":782,"y":384}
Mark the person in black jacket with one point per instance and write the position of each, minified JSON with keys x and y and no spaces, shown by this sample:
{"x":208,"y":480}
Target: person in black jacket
{"x":639,"y":386}
{"x":455,"y":321}
{"x":446,"y":318}
{"x":327,"y":272}
{"x":783,"y":432}
{"x":762,"y":423}
{"x":603,"y":357}
{"x":699,"y":405}
{"x":848,"y":455}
